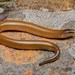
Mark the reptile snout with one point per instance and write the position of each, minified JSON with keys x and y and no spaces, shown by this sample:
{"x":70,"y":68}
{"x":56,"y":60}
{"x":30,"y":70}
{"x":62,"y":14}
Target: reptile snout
{"x":69,"y":31}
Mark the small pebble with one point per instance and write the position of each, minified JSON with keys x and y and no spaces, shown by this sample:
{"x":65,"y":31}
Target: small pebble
{"x":1,"y":10}
{"x":2,"y":17}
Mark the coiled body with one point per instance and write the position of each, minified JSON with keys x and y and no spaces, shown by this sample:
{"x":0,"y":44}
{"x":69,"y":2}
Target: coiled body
{"x":33,"y":44}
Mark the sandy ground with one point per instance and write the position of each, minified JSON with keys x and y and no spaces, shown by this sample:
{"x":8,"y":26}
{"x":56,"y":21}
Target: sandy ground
{"x":51,"y":5}
{"x":16,"y":62}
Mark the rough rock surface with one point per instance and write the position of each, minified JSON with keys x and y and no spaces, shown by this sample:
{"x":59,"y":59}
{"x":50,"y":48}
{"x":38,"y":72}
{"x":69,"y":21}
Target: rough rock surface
{"x":16,"y":62}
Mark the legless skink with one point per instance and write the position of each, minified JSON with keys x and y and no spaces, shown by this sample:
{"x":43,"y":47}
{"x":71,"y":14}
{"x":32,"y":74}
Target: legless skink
{"x":33,"y":44}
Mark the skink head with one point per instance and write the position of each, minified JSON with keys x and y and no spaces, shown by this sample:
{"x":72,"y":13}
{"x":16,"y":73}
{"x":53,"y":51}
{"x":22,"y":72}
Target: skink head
{"x":69,"y":32}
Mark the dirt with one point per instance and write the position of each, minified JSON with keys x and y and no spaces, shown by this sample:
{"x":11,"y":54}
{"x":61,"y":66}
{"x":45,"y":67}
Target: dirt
{"x":51,"y":5}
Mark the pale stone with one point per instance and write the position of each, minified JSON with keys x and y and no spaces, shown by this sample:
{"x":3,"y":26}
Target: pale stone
{"x":1,"y":10}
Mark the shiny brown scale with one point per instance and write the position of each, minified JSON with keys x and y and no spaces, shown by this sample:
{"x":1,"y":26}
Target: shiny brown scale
{"x":34,"y":44}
